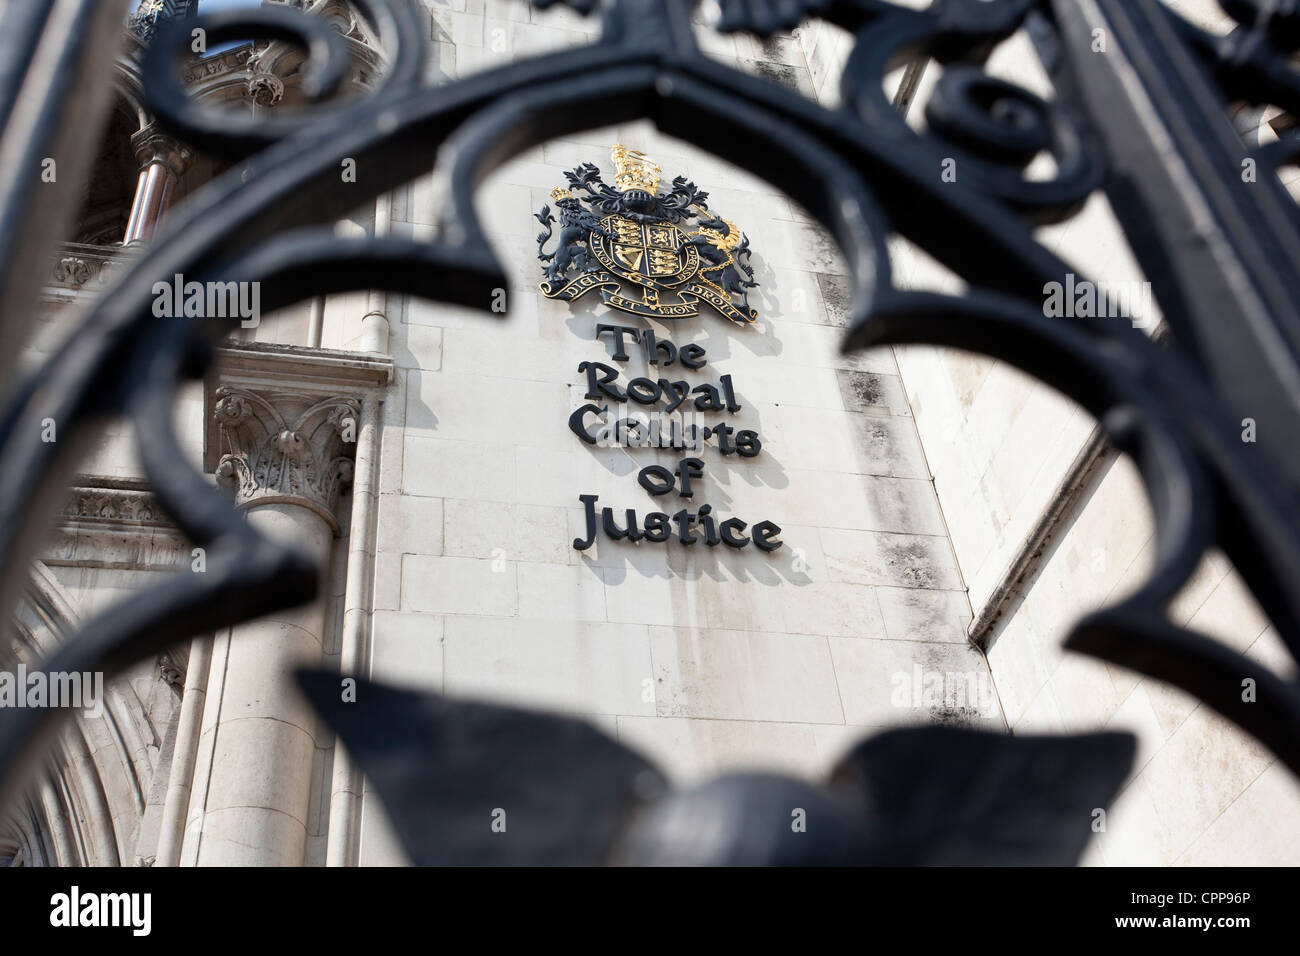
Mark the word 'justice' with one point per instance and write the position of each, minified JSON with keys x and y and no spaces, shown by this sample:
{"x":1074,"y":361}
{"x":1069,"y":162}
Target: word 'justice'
{"x":664,"y":394}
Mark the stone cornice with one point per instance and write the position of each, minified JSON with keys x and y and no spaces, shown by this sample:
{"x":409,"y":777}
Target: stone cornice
{"x":323,"y":371}
{"x":79,"y":266}
{"x":115,"y":523}
{"x":117,"y":503}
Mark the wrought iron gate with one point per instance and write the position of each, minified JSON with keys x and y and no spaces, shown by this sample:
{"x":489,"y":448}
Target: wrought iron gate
{"x":1146,"y":119}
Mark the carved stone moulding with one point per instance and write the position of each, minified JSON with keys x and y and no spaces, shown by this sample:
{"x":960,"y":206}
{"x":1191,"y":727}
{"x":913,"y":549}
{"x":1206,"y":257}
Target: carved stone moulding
{"x":281,"y":422}
{"x":265,"y":89}
{"x":285,"y":447}
{"x":115,"y":523}
{"x":78,"y":265}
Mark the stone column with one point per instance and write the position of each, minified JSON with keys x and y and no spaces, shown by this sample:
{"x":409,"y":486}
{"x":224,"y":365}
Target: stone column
{"x":283,"y":457}
{"x":163,"y":162}
{"x":374,"y":324}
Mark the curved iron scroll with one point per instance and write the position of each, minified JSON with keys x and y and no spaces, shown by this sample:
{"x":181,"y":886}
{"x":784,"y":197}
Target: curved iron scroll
{"x":862,"y":171}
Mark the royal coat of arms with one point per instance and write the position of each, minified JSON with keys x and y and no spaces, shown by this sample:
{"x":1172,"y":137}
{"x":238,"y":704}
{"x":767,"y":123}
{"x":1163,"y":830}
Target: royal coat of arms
{"x":652,"y":254}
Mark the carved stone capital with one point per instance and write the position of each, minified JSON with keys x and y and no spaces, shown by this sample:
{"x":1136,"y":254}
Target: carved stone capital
{"x":153,"y":146}
{"x":285,"y":447}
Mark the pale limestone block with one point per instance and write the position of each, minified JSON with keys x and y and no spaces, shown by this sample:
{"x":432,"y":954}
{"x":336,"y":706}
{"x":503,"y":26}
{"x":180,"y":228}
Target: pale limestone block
{"x":1230,"y":614}
{"x":507,"y":207}
{"x":743,"y":675}
{"x":1123,"y":679}
{"x":458,"y":585}
{"x":634,"y":597}
{"x":1133,"y":834}
{"x":1214,"y":565}
{"x":788,"y":295}
{"x":562,"y":592}
{"x":852,"y":442}
{"x":835,"y":742}
{"x":1023,"y":658}
{"x":842,"y":500}
{"x":903,"y":505}
{"x":1043,"y":715}
{"x":818,"y":346}
{"x":892,"y":560}
{"x":841,"y":610}
{"x":409,"y":524}
{"x":1000,"y":398}
{"x":885,"y":682}
{"x":874,"y":394}
{"x":516,"y":11}
{"x":743,"y":205}
{"x":388,"y":581}
{"x":776,"y":49}
{"x":458,"y":469}
{"x":476,"y":349}
{"x":692,"y":751}
{"x":440,"y":68}
{"x":720,"y":46}
{"x":1084,"y":694}
{"x":1035,"y":444}
{"x":565,"y":19}
{"x":424,"y":312}
{"x":1251,"y":831}
{"x":531,"y":170}
{"x":379,"y":844}
{"x":1199,"y":772}
{"x":477,"y":407}
{"x":729,"y":602}
{"x":794,"y":78}
{"x":416,"y":346}
{"x":557,"y":474}
{"x":1137,"y":716}
{"x":1270,"y":651}
{"x":1170,"y":705}
{"x":533,"y":40}
{"x":923,"y":614}
{"x":774,"y":384}
{"x":515,"y":532}
{"x":463,"y":29}
{"x":576,"y":667}
{"x":406,"y":649}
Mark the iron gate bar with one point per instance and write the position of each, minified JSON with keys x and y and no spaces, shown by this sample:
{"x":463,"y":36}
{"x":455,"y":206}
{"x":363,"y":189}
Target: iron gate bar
{"x":862,"y":172}
{"x":1214,"y":245}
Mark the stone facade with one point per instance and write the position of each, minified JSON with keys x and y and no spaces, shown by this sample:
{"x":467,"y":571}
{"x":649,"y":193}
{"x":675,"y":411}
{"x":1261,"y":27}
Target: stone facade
{"x":1047,"y":525}
{"x":423,"y":454}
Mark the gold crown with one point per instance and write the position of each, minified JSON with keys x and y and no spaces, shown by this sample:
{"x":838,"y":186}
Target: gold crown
{"x":559,"y":192}
{"x":636,"y":170}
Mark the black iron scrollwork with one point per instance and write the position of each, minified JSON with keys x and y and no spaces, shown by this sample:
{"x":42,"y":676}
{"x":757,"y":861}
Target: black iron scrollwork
{"x":864,"y":173}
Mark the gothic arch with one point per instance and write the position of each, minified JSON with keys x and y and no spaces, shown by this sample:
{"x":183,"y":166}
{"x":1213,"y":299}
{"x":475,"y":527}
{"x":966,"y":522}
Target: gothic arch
{"x":86,"y":804}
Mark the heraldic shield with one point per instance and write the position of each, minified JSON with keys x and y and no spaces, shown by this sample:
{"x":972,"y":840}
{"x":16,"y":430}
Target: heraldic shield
{"x":636,"y":247}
